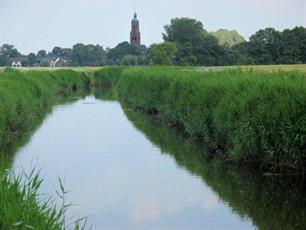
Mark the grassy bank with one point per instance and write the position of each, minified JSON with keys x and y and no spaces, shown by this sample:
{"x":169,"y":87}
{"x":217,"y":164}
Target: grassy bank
{"x":25,"y":97}
{"x":248,"y":193}
{"x":248,"y":117}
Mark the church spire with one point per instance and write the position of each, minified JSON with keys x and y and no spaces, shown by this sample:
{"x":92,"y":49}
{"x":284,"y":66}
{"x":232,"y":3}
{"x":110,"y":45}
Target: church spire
{"x":135,"y":13}
{"x":135,"y":33}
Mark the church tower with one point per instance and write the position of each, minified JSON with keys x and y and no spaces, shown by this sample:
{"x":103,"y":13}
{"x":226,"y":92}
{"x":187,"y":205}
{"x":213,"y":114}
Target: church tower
{"x":135,"y":33}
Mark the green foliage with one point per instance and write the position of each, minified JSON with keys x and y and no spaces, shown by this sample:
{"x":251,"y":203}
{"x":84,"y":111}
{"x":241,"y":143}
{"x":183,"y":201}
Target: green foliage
{"x":247,"y":192}
{"x":107,"y":77}
{"x":10,"y":51}
{"x":24,"y":96}
{"x":116,"y":55}
{"x":6,"y":53}
{"x":24,"y":99}
{"x":44,"y":63}
{"x":182,"y":30}
{"x":163,"y":53}
{"x":195,"y":45}
{"x":87,"y":55}
{"x":22,"y":207}
{"x":228,"y":37}
{"x":243,"y":116}
{"x":293,"y":46}
{"x":19,"y":207}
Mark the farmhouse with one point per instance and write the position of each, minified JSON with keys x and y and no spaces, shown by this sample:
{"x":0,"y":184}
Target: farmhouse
{"x":16,"y":63}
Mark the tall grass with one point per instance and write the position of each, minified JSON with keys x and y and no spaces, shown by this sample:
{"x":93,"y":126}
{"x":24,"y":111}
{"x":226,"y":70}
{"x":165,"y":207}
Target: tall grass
{"x":248,"y":117}
{"x":25,"y":95}
{"x":24,"y":99}
{"x":271,"y":202}
{"x":21,"y":208}
{"x":107,"y":77}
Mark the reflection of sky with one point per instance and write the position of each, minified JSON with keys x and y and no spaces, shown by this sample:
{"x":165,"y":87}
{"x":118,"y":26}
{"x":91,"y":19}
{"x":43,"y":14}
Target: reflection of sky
{"x":116,"y":175}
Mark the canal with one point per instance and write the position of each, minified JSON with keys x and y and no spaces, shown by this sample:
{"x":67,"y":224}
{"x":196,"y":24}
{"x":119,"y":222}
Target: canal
{"x":125,"y":170}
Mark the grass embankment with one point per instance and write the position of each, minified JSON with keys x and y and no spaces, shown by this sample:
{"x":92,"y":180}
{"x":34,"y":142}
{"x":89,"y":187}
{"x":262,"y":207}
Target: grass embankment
{"x":24,"y":98}
{"x":244,"y":116}
{"x":25,"y":95}
{"x":248,"y":193}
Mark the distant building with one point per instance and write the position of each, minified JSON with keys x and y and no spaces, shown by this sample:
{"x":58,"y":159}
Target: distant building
{"x":135,"y":33}
{"x":16,"y":64}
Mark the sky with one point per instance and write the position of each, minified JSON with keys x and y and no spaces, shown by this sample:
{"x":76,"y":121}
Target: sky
{"x":32,"y":25}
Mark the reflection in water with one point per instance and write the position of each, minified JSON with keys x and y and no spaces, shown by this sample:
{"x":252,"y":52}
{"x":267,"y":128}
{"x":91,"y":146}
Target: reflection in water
{"x":271,"y":202}
{"x":8,"y":156}
{"x":122,"y":176}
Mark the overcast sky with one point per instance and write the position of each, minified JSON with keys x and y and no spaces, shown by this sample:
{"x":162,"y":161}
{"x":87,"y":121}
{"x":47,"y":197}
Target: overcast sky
{"x":32,"y":25}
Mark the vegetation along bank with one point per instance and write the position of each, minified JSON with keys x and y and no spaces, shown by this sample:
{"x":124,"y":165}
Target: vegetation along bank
{"x":243,"y":116}
{"x":24,"y":99}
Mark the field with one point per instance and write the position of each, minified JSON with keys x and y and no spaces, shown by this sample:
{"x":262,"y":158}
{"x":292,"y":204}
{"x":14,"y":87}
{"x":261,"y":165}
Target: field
{"x":270,"y":68}
{"x":299,"y":67}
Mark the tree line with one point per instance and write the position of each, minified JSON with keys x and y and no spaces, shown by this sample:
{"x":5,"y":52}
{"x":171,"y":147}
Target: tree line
{"x":186,"y":42}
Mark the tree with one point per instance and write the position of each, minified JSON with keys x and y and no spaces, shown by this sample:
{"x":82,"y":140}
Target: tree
{"x":41,"y":54}
{"x":241,"y":54}
{"x":56,"y":51}
{"x":88,"y":55}
{"x":44,"y":63}
{"x":10,"y":51}
{"x":30,"y":60}
{"x":163,"y":53}
{"x":265,"y":46}
{"x":4,"y":60}
{"x":183,"y":30}
{"x":115,"y":55}
{"x":66,"y":53}
{"x":129,"y":60}
{"x":293,"y":46}
{"x":228,"y":38}
{"x":195,"y":45}
{"x":209,"y":53}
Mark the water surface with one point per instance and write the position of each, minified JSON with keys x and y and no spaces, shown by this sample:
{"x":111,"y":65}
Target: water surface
{"x":125,"y":171}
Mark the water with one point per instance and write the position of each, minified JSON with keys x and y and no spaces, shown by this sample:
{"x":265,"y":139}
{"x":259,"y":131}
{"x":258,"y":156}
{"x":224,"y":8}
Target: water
{"x":124,"y":170}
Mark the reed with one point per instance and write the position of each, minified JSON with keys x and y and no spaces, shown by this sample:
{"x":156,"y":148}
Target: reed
{"x":25,"y":95}
{"x":248,"y":117}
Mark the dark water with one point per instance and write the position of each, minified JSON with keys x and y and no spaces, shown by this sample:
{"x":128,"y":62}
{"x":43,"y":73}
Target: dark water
{"x":124,"y":170}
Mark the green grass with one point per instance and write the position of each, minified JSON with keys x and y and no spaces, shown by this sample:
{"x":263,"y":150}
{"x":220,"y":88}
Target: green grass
{"x":243,"y":116}
{"x":240,"y":115}
{"x":107,"y":77}
{"x":271,"y":202}
{"x":21,"y":207}
{"x":25,"y":97}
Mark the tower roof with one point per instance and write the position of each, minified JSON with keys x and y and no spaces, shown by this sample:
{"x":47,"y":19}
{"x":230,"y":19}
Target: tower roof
{"x":135,"y":17}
